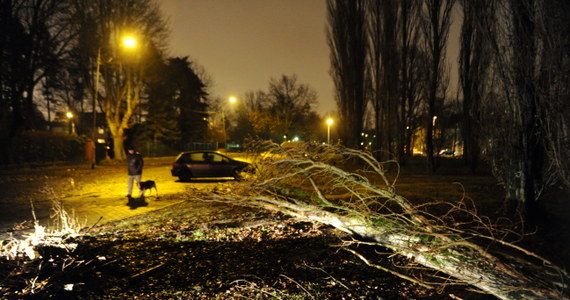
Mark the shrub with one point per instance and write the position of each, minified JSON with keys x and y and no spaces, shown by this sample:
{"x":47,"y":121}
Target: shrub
{"x":45,"y":146}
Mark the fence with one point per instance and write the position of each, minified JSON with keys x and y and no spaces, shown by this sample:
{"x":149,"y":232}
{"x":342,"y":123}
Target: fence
{"x":152,"y":149}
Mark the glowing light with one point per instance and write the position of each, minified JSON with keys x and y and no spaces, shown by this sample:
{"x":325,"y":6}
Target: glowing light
{"x":129,"y":42}
{"x":329,"y":124}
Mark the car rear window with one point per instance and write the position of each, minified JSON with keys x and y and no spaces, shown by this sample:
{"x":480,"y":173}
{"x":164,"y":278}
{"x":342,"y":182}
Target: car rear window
{"x":187,"y":158}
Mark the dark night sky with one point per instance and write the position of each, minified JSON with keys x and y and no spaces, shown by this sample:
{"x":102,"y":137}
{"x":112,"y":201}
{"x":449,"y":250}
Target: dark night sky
{"x":243,"y":43}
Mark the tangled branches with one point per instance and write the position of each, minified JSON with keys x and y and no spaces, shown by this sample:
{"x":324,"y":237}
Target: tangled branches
{"x":307,"y":182}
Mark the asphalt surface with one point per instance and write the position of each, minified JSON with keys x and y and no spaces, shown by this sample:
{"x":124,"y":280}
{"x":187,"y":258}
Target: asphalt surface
{"x":92,"y":196}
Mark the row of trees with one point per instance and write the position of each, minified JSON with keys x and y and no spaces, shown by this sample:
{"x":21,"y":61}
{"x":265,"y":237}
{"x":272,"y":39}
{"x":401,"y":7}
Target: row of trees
{"x":388,"y":57}
{"x":66,"y":53}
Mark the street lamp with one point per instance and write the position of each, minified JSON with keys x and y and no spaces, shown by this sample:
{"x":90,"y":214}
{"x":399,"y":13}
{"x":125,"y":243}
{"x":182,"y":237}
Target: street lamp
{"x":129,"y":42}
{"x":329,"y":124}
{"x":433,"y":124}
{"x":69,"y":116}
{"x":94,"y":129}
{"x":231,"y":100}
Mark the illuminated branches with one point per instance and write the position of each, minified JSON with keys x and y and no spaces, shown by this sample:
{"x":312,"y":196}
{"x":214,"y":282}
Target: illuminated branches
{"x":305,"y":183}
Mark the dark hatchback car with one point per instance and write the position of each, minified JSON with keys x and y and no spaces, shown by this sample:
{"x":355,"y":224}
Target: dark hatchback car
{"x":206,"y":164}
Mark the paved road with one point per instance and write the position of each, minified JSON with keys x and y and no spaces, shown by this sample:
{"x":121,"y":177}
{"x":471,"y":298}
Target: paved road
{"x":96,"y":196}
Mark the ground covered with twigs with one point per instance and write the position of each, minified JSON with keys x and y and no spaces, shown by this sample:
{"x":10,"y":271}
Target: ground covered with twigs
{"x":206,"y":250}
{"x":200,"y":249}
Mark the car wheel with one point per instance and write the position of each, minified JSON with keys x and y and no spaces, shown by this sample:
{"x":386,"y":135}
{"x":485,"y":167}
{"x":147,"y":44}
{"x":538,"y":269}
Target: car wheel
{"x":186,"y":176}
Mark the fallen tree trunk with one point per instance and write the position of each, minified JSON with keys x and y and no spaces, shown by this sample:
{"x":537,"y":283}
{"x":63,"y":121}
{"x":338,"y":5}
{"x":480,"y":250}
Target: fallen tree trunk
{"x":496,"y":266}
{"x":444,"y":250}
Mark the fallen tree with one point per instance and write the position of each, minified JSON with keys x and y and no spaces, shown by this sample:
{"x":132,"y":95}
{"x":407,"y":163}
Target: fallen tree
{"x":305,"y":183}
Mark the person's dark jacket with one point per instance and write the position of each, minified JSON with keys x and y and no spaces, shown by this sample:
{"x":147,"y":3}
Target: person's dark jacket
{"x":135,"y":163}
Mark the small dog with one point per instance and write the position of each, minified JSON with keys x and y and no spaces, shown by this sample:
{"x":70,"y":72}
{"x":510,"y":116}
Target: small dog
{"x":147,"y":185}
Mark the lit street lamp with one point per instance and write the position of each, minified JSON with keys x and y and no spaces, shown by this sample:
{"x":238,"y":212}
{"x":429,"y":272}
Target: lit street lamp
{"x":433,"y":124}
{"x":129,"y":42}
{"x":69,"y":116}
{"x":329,"y":123}
{"x":232,"y":100}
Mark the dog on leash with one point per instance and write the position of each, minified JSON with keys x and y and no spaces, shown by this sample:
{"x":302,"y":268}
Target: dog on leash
{"x":147,"y":185}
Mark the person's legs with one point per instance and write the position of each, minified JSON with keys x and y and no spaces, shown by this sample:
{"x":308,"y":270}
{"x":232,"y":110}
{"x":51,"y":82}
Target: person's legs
{"x":137,"y":178}
{"x":130,"y":185}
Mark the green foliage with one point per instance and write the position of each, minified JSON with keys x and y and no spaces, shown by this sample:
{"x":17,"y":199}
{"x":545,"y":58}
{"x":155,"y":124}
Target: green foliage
{"x":44,"y":146}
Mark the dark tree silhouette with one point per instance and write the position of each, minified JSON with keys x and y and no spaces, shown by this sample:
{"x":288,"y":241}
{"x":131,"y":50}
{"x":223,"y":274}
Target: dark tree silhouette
{"x":34,"y":39}
{"x":412,"y":81}
{"x":474,"y":73}
{"x":348,"y":43}
{"x":286,"y":109}
{"x":384,"y":75}
{"x":396,"y":70}
{"x":189,"y":98}
{"x":437,"y":19}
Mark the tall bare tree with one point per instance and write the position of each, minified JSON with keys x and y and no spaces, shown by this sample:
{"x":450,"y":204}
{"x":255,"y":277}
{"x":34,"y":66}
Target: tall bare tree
{"x":348,"y":43}
{"x":384,"y":73}
{"x":412,"y":79}
{"x":291,"y":102}
{"x":437,"y":20}
{"x":531,"y":64}
{"x":395,"y":73}
{"x":122,"y":71}
{"x":286,"y":109}
{"x":554,"y":85}
{"x":474,"y":67}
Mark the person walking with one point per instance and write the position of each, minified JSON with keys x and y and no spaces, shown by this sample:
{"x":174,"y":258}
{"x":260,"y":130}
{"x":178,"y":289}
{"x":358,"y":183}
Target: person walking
{"x":135,"y":165}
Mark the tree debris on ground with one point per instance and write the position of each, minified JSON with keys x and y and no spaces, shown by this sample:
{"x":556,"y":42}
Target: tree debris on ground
{"x":305,"y":183}
{"x":220,"y":244}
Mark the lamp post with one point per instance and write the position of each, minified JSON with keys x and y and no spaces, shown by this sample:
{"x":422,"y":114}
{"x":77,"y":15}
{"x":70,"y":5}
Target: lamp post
{"x":433,"y":124}
{"x":69,"y":116}
{"x":231,"y":100}
{"x":94,"y":129}
{"x":329,"y":124}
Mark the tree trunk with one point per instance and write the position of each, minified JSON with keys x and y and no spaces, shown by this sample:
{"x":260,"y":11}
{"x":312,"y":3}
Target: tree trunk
{"x":119,"y":147}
